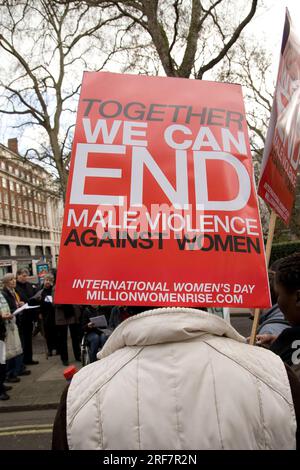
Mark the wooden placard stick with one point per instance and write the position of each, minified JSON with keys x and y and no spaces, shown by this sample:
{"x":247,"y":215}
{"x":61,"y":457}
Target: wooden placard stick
{"x":272,"y":224}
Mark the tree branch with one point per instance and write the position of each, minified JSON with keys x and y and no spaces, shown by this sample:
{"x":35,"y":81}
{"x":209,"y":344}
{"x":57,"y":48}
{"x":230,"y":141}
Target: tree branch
{"x":232,"y":40}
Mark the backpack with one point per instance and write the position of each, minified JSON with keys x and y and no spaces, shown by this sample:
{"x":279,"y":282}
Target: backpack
{"x":273,"y":320}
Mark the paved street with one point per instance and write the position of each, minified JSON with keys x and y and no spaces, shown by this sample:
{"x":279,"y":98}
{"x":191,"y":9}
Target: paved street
{"x":28,"y":430}
{"x":42,"y":388}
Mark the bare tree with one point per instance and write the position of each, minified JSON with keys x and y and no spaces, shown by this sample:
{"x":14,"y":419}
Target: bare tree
{"x":47,"y":46}
{"x":188,"y":37}
{"x":250,"y":65}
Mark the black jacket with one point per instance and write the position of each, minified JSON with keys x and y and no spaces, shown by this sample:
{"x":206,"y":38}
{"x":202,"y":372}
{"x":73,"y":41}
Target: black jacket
{"x":2,"y":329}
{"x":46,"y":308}
{"x":283,"y":345}
{"x":25,"y":290}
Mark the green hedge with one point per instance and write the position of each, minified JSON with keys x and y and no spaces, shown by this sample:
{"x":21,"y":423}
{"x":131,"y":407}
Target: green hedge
{"x":280,"y":250}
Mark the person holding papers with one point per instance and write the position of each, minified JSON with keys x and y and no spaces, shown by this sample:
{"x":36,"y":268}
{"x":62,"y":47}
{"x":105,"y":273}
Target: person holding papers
{"x":25,"y":291}
{"x":44,"y":298}
{"x":93,"y":323}
{"x":14,"y":355}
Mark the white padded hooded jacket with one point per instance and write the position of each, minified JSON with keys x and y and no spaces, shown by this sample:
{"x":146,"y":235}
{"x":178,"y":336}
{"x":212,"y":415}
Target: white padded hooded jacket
{"x":180,"y":379}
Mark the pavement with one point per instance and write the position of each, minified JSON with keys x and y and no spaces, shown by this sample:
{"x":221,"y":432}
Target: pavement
{"x":43,"y":387}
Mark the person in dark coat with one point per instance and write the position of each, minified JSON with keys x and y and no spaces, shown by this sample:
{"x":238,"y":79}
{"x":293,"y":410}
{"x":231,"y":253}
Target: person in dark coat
{"x":121,"y":313}
{"x":25,"y":291}
{"x":3,"y":389}
{"x":44,"y":298}
{"x":287,"y":344}
{"x":68,"y":317}
{"x":15,"y":365}
{"x":96,"y":336}
{"x":271,"y":320}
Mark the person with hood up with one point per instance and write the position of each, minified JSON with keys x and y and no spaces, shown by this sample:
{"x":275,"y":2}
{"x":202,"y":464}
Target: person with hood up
{"x":189,"y":380}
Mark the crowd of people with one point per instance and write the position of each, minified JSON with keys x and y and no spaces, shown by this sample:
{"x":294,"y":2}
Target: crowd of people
{"x":192,"y":367}
{"x":52,"y":320}
{"x":191,"y":382}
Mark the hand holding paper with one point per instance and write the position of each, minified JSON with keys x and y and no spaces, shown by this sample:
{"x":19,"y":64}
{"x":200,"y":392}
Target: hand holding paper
{"x":24,"y":307}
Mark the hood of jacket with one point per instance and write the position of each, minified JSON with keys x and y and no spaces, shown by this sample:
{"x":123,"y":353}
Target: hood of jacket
{"x":167,"y":325}
{"x":167,"y":375}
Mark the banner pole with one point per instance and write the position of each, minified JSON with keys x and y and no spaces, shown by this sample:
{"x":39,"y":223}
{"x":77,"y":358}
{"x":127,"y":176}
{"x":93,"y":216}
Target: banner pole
{"x":272,"y":224}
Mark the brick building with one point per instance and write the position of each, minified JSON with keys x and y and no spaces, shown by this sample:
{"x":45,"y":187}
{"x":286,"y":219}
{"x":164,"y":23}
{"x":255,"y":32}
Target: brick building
{"x":30,"y":213}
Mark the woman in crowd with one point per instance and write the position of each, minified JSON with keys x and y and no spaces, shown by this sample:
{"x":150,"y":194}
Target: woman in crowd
{"x":44,"y":297}
{"x":3,"y":314}
{"x":287,"y":343}
{"x":25,"y":291}
{"x":14,"y":353}
{"x":68,"y":317}
{"x":271,"y":320}
{"x":95,"y":336}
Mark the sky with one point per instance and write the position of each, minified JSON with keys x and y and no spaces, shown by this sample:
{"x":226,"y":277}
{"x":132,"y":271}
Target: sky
{"x":269,"y":25}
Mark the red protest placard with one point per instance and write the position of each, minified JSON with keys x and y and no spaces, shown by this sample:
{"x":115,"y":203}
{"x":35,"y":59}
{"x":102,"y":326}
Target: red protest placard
{"x":161,"y":208}
{"x":277,"y":185}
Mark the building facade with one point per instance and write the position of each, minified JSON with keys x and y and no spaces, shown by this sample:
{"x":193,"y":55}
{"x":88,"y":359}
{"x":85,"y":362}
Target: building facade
{"x":30,"y":214}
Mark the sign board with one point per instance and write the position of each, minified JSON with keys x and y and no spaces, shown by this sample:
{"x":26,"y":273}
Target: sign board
{"x":281,"y":157}
{"x":161,"y":207}
{"x":42,"y":269}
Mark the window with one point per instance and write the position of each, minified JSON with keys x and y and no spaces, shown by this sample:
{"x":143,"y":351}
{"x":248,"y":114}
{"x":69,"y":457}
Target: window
{"x":48,"y":251}
{"x":18,"y":187}
{"x":4,"y":183}
{"x":11,"y":186}
{"x":4,"y":250}
{"x":23,"y":250}
{"x":38,"y":251}
{"x":21,"y":218}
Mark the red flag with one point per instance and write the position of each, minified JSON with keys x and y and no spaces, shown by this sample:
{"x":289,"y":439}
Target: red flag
{"x":280,"y":164}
